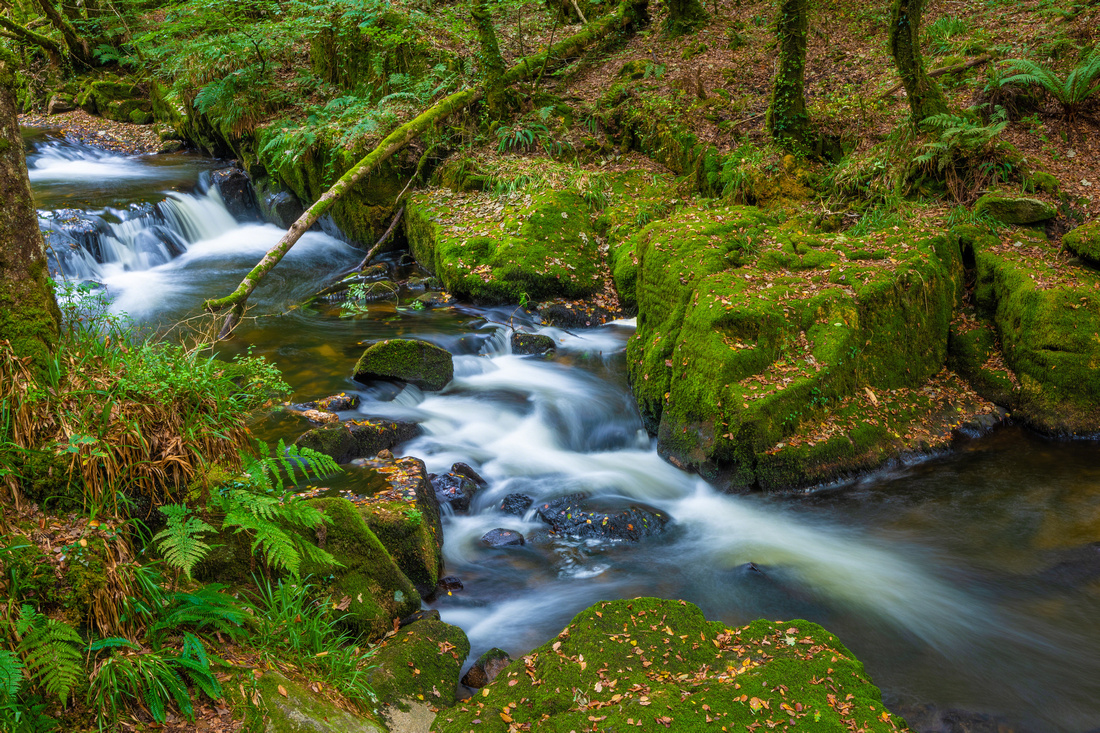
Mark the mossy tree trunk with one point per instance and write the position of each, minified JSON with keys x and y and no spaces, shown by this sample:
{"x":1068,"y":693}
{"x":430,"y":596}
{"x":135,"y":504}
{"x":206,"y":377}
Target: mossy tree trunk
{"x":627,"y":13}
{"x":29,"y":317}
{"x":787,"y":120}
{"x":491,"y":60}
{"x":684,"y":16}
{"x":925,"y":97}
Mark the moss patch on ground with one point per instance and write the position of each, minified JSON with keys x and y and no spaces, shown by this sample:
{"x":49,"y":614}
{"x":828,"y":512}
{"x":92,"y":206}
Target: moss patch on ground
{"x":654,"y":664}
{"x":420,"y":664}
{"x":290,"y":708}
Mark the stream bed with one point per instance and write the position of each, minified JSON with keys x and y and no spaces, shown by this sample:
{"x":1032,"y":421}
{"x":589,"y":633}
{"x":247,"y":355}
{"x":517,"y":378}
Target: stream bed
{"x":966,"y":582}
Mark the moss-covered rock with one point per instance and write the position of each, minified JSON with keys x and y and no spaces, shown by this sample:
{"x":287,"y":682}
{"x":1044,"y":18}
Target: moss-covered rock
{"x":1084,"y":241}
{"x":653,"y":664}
{"x":764,"y":350}
{"x":420,"y":664}
{"x":416,"y":362}
{"x":368,"y":580}
{"x":288,"y":707}
{"x":406,"y":528}
{"x":351,"y":439}
{"x":491,"y":250}
{"x":974,"y":353}
{"x":1015,"y":210}
{"x":1047,"y":315}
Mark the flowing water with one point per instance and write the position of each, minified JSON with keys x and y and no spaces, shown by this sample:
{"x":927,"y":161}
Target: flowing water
{"x":966,"y":581}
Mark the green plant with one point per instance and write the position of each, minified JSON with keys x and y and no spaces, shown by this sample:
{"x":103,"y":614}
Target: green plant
{"x":51,"y":652}
{"x":965,"y":152}
{"x":206,"y":608}
{"x":1079,"y":86}
{"x":179,"y":541}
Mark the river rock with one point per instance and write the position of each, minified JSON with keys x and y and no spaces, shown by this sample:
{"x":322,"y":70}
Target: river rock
{"x":486,"y":668}
{"x":417,"y":362}
{"x":235,"y":188}
{"x":500,"y":537}
{"x":516,"y":504}
{"x":464,"y":469}
{"x":532,"y":343}
{"x":60,"y":103}
{"x":1015,"y":210}
{"x":334,"y":403}
{"x":353,"y":439}
{"x":421,"y":662}
{"x":671,"y":669}
{"x":282,"y":208}
{"x":434,"y":299}
{"x":291,"y":708}
{"x":569,"y":515}
{"x":1084,"y":241}
{"x":454,"y":489}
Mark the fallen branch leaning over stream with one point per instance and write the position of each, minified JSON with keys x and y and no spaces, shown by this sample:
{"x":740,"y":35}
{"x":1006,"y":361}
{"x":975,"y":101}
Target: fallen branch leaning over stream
{"x":626,"y":13}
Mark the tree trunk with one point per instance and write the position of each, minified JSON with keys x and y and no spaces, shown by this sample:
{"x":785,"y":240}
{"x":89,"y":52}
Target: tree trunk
{"x":925,"y":97}
{"x":787,"y":120}
{"x":53,"y":49}
{"x":491,"y":60}
{"x":29,"y":317}
{"x":79,"y":48}
{"x":628,"y":11}
{"x":684,"y":16}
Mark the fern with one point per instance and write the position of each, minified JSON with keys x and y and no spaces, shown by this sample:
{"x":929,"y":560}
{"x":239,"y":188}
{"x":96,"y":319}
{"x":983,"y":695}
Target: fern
{"x":205,"y":608}
{"x":179,"y":542}
{"x":1081,"y":84}
{"x":52,"y":653}
{"x":964,"y":151}
{"x":11,"y":675}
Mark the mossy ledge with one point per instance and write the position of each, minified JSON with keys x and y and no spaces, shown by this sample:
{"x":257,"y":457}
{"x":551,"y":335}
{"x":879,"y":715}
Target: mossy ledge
{"x":654,"y":664}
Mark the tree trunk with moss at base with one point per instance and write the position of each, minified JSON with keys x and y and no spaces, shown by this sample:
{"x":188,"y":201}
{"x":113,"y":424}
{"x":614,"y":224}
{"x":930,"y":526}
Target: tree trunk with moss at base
{"x":684,"y":16}
{"x":787,"y":120}
{"x":492,"y":61}
{"x":29,"y":317}
{"x":627,"y":13}
{"x":925,"y":97}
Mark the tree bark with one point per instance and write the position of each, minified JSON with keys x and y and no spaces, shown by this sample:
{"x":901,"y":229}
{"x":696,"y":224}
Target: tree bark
{"x":787,"y":120}
{"x":52,"y":48}
{"x":925,"y":97}
{"x":78,"y":46}
{"x":491,"y":60}
{"x":627,"y":12}
{"x":29,"y":317}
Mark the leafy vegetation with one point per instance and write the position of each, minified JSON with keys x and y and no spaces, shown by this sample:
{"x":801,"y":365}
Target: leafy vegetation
{"x":1080,"y":85}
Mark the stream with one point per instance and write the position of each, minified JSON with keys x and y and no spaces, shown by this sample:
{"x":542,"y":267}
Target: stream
{"x":966,"y":582}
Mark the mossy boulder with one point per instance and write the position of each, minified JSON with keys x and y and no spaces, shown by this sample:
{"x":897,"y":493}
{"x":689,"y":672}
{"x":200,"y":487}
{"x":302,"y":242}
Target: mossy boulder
{"x":973,"y":352}
{"x":116,"y":100}
{"x":1084,"y":241}
{"x":654,"y":664}
{"x":368,"y":581}
{"x":1047,"y":315}
{"x":351,"y":439}
{"x":417,"y":362}
{"x":420,"y":664}
{"x":1015,"y":209}
{"x":762,"y":347}
{"x":288,"y":707}
{"x":490,"y":250}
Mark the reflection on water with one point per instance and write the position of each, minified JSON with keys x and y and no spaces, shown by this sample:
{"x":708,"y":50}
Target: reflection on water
{"x":963,"y":581}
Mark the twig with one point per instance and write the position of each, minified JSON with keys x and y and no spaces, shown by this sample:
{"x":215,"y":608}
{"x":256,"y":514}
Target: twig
{"x":944,"y":70}
{"x":579,"y":13}
{"x":378,"y":245}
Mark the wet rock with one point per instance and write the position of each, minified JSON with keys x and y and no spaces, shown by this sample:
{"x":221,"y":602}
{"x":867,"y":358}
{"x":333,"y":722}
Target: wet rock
{"x":421,"y":663}
{"x":86,"y":229}
{"x":455,"y":490}
{"x":170,"y":146}
{"x":1084,"y":241}
{"x":516,"y":504}
{"x":486,"y":668}
{"x":449,"y":584}
{"x":464,"y":469}
{"x":334,"y":403}
{"x":501,"y":537}
{"x":422,"y":284}
{"x":1015,"y":210}
{"x":320,"y":417}
{"x":928,"y":718}
{"x":282,"y":208}
{"x":159,"y":244}
{"x":430,"y":614}
{"x":532,"y":343}
{"x":435,"y":300}
{"x":570,"y":515}
{"x":569,"y":314}
{"x":236,"y":191}
{"x":981,"y":425}
{"x":60,"y":103}
{"x":353,"y":439}
{"x":417,"y":362}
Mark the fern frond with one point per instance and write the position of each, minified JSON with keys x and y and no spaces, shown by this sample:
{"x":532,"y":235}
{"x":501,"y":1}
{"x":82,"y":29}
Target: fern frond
{"x":11,"y":674}
{"x":179,"y":541}
{"x":52,"y":652}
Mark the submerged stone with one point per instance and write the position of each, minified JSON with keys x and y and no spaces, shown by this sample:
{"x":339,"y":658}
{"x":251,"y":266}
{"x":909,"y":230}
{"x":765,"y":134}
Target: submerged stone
{"x":501,"y":537}
{"x":653,"y":664}
{"x":570,"y":515}
{"x":532,"y":343}
{"x":417,"y":362}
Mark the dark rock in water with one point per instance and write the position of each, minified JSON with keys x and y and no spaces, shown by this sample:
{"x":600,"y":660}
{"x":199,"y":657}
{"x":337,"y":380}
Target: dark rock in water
{"x":334,"y":403}
{"x":449,"y":584}
{"x":981,"y":425}
{"x":422,"y":284}
{"x":353,"y":439}
{"x":569,"y":515}
{"x":283,"y":209}
{"x":565,"y":314}
{"x":532,"y":343}
{"x":1079,"y":566}
{"x":435,"y":300}
{"x":417,"y":362}
{"x":464,"y":469}
{"x":430,"y":613}
{"x":454,"y":489}
{"x":86,"y":229}
{"x":486,"y":668}
{"x":501,"y":537}
{"x":517,"y":504}
{"x":159,"y":245}
{"x":237,"y":193}
{"x":928,"y":718}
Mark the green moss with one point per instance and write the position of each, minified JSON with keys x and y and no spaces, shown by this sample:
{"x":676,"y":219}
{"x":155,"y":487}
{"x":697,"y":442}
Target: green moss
{"x":1084,"y":241}
{"x":491,"y":251}
{"x":416,"y":362}
{"x":407,"y":535}
{"x":973,"y":353}
{"x":28,"y":574}
{"x":660,"y":663}
{"x":377,"y":590}
{"x":420,"y":663}
{"x":1015,"y":210}
{"x":289,"y":707}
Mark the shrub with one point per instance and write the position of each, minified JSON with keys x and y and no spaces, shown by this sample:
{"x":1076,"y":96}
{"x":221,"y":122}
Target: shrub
{"x":1078,"y":87}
